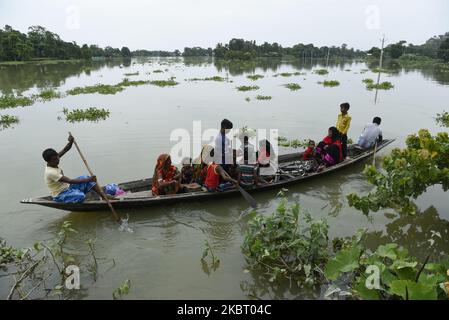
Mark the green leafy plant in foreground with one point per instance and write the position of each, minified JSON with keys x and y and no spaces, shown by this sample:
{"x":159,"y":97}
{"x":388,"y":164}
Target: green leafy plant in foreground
{"x":292,"y":86}
{"x":89,"y":114}
{"x":247,"y":88}
{"x":10,"y":101}
{"x":122,"y":290}
{"x":443,"y":119}
{"x":7,"y":121}
{"x":388,"y":273}
{"x":406,"y":174}
{"x":288,"y":244}
{"x":214,"y":261}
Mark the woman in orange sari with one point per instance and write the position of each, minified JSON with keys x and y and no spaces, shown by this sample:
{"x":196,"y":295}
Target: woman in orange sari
{"x":166,"y":177}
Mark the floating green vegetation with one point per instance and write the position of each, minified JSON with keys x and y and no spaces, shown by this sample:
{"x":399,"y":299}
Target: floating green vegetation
{"x":377,"y":70}
{"x":443,"y":119}
{"x":259,"y":97}
{"x":131,"y":74}
{"x":98,"y":88}
{"x":331,"y":83}
{"x":214,"y":78}
{"x":255,"y":77}
{"x":48,"y":94}
{"x":164,"y":83}
{"x":386,"y":85}
{"x":127,"y":83}
{"x":247,"y":99}
{"x":7,"y":121}
{"x":292,"y":86}
{"x":89,"y":114}
{"x":294,"y":143}
{"x":10,"y":101}
{"x":247,"y":88}
{"x":158,"y":71}
{"x":321,"y":72}
{"x":348,"y":70}
{"x":368,"y":81}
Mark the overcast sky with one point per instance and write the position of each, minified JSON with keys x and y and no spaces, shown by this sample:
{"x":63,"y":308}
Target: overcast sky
{"x":174,"y":24}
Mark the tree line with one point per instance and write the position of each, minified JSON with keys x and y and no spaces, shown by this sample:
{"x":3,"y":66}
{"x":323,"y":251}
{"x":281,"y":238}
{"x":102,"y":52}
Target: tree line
{"x":436,"y":47}
{"x":40,"y":43}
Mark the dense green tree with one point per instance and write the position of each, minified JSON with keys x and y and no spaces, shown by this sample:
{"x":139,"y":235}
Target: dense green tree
{"x":443,"y":50}
{"x":125,"y":52}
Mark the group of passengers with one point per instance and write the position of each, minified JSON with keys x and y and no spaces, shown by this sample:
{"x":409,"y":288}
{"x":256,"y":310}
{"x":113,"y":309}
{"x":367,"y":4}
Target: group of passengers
{"x":217,"y":167}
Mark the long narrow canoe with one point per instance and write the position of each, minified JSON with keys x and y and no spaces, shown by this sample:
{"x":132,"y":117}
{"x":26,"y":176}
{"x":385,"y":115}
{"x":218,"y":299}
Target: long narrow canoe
{"x":139,"y":195}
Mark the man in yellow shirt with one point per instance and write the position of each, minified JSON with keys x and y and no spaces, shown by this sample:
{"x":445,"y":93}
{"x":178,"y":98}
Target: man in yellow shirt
{"x":62,"y":188}
{"x":343,"y":123}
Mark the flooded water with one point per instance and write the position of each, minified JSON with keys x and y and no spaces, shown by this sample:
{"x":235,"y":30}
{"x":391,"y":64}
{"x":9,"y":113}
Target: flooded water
{"x":162,"y":256}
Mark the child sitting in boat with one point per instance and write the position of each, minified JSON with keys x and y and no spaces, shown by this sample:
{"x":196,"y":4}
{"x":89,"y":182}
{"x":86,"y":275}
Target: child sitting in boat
{"x":166,"y":177}
{"x":62,"y":188}
{"x":216,"y":174}
{"x":309,"y":154}
{"x":187,"y":171}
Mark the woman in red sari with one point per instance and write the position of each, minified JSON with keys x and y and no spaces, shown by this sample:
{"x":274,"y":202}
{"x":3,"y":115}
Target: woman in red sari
{"x":166,"y":177}
{"x":330,"y":149}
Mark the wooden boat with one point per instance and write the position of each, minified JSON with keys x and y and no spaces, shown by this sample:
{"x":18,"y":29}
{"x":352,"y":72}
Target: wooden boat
{"x":139,"y":195}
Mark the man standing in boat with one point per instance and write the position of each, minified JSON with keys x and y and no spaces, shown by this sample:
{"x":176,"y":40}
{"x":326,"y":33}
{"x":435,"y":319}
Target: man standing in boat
{"x":223,"y":146}
{"x":62,"y":188}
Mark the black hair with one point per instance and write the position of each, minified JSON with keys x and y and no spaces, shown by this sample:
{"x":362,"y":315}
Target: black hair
{"x":345,"y":105}
{"x":335,"y":134}
{"x":48,"y":154}
{"x":226,"y":124}
{"x":377,"y":120}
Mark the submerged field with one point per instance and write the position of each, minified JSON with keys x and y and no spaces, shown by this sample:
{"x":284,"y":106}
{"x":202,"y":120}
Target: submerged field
{"x":131,"y":125}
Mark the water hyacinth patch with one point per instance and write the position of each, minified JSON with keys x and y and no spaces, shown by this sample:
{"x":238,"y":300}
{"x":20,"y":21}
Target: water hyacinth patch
{"x":158,"y":71}
{"x":89,"y":114}
{"x":368,"y":81}
{"x":386,"y":85}
{"x":247,"y":99}
{"x":255,"y":77}
{"x":98,"y":88}
{"x":11,"y":101}
{"x":292,"y":86}
{"x":164,"y":83}
{"x":127,"y":83}
{"x":48,"y":94}
{"x":330,"y":83}
{"x":7,"y":121}
{"x":247,"y":88}
{"x":259,"y":97}
{"x":321,"y":72}
{"x":214,"y":78}
{"x":131,"y":74}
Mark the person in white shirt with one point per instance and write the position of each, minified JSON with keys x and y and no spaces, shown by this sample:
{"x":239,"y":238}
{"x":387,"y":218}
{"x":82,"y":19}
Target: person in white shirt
{"x":371,"y":134}
{"x":223,"y":147}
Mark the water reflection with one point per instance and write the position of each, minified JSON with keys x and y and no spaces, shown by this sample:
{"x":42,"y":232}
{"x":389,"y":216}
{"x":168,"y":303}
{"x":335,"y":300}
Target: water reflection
{"x":20,"y":78}
{"x":414,"y":232}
